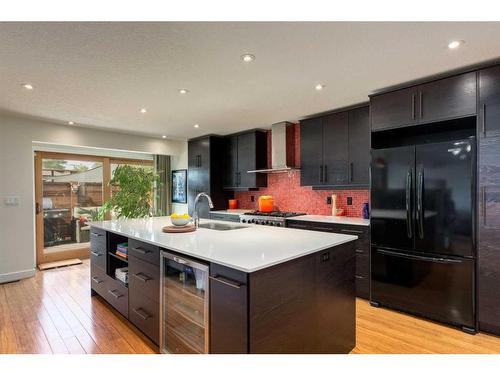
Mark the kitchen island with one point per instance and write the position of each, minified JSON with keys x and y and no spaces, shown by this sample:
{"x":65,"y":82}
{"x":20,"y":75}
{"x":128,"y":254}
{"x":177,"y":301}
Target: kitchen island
{"x":268,"y":290}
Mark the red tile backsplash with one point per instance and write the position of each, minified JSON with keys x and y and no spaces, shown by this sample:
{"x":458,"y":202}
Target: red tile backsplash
{"x":290,"y":196}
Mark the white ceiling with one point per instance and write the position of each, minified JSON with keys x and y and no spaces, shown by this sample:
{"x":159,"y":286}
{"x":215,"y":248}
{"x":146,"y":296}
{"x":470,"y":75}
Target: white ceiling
{"x":102,"y":74}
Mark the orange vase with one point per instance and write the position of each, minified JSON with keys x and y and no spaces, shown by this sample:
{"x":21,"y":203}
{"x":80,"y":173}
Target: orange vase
{"x":266,"y":203}
{"x":233,"y":204}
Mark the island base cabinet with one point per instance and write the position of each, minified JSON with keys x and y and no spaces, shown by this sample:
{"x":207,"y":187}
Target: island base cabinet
{"x":144,"y":314}
{"x":228,"y":311}
{"x":306,"y":305}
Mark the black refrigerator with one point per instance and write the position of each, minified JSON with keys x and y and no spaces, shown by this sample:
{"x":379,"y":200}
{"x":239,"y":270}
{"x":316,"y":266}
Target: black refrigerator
{"x":423,"y":230}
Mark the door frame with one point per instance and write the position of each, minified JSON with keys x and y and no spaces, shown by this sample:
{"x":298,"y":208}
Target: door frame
{"x":84,"y":250}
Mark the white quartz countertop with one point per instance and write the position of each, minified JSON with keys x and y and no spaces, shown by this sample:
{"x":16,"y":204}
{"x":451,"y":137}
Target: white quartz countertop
{"x":248,"y":249}
{"x":236,"y":211}
{"x":332,"y":219}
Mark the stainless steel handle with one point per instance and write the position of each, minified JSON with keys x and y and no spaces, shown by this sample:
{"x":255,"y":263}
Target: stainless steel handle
{"x":359,"y":277}
{"x":114,"y":293}
{"x":421,"y":104}
{"x":226,"y":281}
{"x":142,"y":314}
{"x":351,"y":231}
{"x":140,"y":250}
{"x":96,"y":280}
{"x":483,"y":203}
{"x":180,"y":260}
{"x":408,"y":205}
{"x":413,"y":106}
{"x":358,"y":251}
{"x":141,"y":276}
{"x":483,"y":120}
{"x":96,"y":234}
{"x":96,"y":254}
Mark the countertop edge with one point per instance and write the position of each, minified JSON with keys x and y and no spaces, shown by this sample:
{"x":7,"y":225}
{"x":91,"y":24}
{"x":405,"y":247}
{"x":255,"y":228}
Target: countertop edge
{"x":246,"y":270}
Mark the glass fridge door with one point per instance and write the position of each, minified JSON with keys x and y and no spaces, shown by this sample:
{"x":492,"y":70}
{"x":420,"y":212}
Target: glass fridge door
{"x":184,"y":305}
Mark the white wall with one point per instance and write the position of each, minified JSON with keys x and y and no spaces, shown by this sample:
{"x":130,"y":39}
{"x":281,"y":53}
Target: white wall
{"x":17,"y":223}
{"x":180,"y":161}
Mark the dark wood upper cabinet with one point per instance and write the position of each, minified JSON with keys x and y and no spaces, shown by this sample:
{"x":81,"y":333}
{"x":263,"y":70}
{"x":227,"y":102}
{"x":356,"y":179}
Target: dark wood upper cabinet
{"x":489,"y":235}
{"x":205,"y":158}
{"x":447,"y":98}
{"x":489,"y":102}
{"x":245,"y":152}
{"x":393,"y":109}
{"x":311,"y":152}
{"x":359,"y":146}
{"x":439,"y":100}
{"x":335,"y":150}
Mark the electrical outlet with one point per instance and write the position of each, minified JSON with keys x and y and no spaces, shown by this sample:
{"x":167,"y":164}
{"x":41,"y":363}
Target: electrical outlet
{"x":252,"y":198}
{"x":328,"y":200}
{"x":349,"y":201}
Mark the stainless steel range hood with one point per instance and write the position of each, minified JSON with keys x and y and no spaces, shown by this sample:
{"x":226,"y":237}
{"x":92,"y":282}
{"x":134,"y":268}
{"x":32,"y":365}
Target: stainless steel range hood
{"x":283,"y":149}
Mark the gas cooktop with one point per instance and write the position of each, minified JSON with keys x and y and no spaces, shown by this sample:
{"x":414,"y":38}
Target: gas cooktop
{"x":274,"y":213}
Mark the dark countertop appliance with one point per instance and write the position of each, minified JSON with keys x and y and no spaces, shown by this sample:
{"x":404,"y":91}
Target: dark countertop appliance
{"x":423,"y":230}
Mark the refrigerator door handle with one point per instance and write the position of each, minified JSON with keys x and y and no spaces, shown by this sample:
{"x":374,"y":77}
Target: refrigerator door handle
{"x":420,"y":209}
{"x":408,"y":204}
{"x":418,"y":257}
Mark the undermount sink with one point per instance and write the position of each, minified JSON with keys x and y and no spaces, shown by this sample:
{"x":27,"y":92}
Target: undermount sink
{"x":220,"y":226}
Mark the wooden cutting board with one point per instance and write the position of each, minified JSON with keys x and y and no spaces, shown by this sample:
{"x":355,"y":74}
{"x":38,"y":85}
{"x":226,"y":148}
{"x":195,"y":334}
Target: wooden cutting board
{"x":174,"y":229}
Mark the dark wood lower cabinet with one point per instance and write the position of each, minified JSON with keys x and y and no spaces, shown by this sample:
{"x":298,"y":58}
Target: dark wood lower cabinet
{"x":305,"y":305}
{"x":362,"y":248}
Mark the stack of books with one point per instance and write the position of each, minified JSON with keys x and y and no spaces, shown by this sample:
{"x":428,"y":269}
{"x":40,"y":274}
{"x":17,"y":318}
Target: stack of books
{"x":122,"y":274}
{"x":122,"y":250}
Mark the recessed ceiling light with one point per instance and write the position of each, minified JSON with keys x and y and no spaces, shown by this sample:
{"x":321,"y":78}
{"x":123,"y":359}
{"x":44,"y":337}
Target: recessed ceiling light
{"x":183,"y":91}
{"x":143,"y":110}
{"x":164,"y":136}
{"x":27,"y":86}
{"x":319,"y":87}
{"x":247,"y":57}
{"x":196,"y":126}
{"x":71,"y":123}
{"x":455,"y":44}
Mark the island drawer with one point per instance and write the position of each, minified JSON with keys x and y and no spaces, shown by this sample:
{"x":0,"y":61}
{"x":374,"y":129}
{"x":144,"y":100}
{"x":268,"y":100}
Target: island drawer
{"x":145,"y":314}
{"x":147,"y":252}
{"x":97,"y":235}
{"x":98,"y":254}
{"x":116,"y":293}
{"x":98,"y":279}
{"x":144,"y":278}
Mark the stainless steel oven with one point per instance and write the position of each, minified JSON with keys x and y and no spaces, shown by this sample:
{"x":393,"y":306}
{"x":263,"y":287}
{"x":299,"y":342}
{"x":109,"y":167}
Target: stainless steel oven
{"x":184,"y":304}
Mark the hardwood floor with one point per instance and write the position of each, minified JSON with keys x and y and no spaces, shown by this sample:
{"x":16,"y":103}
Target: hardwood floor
{"x":54,"y":313}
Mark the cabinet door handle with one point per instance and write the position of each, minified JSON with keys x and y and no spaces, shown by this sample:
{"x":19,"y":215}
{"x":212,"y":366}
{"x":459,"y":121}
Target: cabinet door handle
{"x":421,"y":104}
{"x":226,"y":281}
{"x":483,"y":202}
{"x":96,"y":254}
{"x":359,"y":277}
{"x":358,"y":251}
{"x":96,"y":280}
{"x":325,"y":173}
{"x":413,"y":106}
{"x":351,"y":171}
{"x":141,"y":276}
{"x":351,"y":231}
{"x":320,"y":173}
{"x":483,"y":120}
{"x":114,"y":293}
{"x":140,"y":250}
{"x":142,"y":314}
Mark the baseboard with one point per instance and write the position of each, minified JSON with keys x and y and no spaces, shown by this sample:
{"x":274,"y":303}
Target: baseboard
{"x":14,"y":276}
